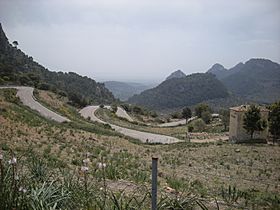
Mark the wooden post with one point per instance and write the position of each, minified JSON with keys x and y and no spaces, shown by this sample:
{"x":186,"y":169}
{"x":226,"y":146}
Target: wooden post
{"x":154,"y":183}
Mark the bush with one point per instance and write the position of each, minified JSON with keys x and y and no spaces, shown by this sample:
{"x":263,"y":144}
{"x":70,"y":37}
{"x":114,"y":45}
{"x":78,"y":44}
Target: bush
{"x":153,"y":114}
{"x":44,"y":86}
{"x":126,"y":107}
{"x":114,"y":108}
{"x":10,"y":95}
{"x":199,"y":125}
{"x":176,"y":115}
{"x":206,"y":117}
{"x":62,"y":93}
{"x":190,"y":128}
{"x":137,"y":110}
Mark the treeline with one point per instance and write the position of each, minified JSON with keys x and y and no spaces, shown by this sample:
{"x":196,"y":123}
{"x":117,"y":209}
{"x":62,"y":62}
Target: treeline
{"x":16,"y":68}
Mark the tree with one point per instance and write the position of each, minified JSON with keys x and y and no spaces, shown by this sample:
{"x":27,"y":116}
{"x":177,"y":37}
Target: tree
{"x":137,"y":110}
{"x":274,"y":120}
{"x":224,"y":113}
{"x":206,"y":117}
{"x":201,"y":108}
{"x":114,"y":108}
{"x":126,"y":107}
{"x":15,"y":43}
{"x":252,"y":120}
{"x":187,"y":113}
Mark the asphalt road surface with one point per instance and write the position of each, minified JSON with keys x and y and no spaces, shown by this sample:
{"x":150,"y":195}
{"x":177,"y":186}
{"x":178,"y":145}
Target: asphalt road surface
{"x":122,"y":113}
{"x":177,"y":123}
{"x":25,"y":94}
{"x":89,"y":112}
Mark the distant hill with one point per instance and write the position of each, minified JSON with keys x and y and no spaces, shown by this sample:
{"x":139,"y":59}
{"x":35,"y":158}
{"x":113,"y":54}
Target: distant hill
{"x":256,"y":80}
{"x":20,"y":69}
{"x":176,"y":74}
{"x":124,"y":90}
{"x":179,"y":92}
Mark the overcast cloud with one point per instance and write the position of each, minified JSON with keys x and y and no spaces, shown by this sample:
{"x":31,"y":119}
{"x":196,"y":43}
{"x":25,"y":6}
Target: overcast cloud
{"x":143,"y":39}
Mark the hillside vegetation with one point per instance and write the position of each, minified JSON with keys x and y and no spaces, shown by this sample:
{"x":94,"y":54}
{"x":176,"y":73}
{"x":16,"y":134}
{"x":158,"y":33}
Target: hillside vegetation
{"x":255,"y":80}
{"x":17,"y":68}
{"x":179,"y":92}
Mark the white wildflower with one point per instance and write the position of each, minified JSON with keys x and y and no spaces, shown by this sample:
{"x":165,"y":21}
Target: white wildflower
{"x":101,"y":165}
{"x":1,"y":157}
{"x":12,"y":161}
{"x":84,"y":169}
{"x":16,"y":177}
{"x":21,"y":189}
{"x":87,"y":160}
{"x":101,"y":188}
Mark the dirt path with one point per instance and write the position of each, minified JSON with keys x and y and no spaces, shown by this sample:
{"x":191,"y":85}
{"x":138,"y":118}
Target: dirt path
{"x":25,"y":94}
{"x":88,"y":112}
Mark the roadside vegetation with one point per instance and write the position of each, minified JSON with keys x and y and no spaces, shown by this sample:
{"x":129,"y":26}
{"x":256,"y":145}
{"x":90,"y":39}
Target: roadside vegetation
{"x":197,"y":128}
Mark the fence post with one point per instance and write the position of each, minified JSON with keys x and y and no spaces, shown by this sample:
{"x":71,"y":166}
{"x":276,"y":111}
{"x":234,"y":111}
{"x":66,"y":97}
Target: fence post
{"x":154,"y":183}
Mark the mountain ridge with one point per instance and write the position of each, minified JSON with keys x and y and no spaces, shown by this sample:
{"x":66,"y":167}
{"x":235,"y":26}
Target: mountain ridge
{"x":179,"y":92}
{"x":17,"y":68}
{"x":257,"y":79}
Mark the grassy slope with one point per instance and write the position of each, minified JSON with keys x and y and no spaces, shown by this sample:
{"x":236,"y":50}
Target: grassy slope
{"x":202,"y":168}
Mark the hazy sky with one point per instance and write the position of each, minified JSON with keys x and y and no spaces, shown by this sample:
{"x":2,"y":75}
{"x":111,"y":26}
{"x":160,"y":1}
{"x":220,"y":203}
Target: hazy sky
{"x":142,"y":39}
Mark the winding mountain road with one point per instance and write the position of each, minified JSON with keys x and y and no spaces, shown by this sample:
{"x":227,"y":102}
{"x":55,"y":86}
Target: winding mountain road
{"x":89,"y":112}
{"x":25,"y":94}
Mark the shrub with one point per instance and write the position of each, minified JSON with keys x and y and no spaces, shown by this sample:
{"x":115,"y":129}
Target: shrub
{"x":114,"y":108}
{"x":190,"y":128}
{"x":206,"y":116}
{"x":199,"y":125}
{"x":176,"y":115}
{"x":10,"y":95}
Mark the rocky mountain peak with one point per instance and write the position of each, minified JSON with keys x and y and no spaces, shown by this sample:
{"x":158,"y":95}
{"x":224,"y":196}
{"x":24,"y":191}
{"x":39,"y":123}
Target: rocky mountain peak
{"x":176,"y":74}
{"x":216,"y":67}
